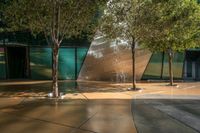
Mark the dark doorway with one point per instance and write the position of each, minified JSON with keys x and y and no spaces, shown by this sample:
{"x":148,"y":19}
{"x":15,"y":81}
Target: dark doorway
{"x":17,"y":62}
{"x":192,"y":65}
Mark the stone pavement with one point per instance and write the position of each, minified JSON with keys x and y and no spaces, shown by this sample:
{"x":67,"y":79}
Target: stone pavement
{"x":99,"y":107}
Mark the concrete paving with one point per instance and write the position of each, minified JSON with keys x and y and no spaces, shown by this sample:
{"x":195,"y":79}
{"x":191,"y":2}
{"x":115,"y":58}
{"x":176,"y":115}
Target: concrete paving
{"x":69,"y":116}
{"x":99,"y":107}
{"x":165,"y":116}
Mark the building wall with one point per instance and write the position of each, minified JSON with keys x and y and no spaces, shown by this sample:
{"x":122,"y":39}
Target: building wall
{"x":39,"y":63}
{"x":158,"y":67}
{"x":112,"y":61}
{"x":2,"y":64}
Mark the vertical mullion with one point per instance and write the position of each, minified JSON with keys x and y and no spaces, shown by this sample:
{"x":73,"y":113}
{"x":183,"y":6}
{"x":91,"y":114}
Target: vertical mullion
{"x":76,"y":75}
{"x":6,"y":62}
{"x":5,"y":56}
{"x":28,"y":62}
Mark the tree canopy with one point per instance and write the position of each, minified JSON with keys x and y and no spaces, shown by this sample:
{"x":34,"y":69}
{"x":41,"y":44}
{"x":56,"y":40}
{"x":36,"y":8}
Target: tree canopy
{"x":56,"y":19}
{"x":170,"y":24}
{"x":121,"y":22}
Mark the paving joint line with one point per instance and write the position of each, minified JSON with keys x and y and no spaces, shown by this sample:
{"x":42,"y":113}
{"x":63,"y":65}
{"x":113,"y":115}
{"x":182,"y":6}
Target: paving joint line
{"x":84,"y":96}
{"x":173,"y":118}
{"x":46,"y":121}
{"x":87,"y":120}
{"x":83,"y":130}
{"x":136,"y":128}
{"x":22,"y":101}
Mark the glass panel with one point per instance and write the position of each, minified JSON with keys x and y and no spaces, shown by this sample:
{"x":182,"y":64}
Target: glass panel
{"x":41,"y":63}
{"x":67,"y":87}
{"x":189,"y":68}
{"x":165,"y":67}
{"x":66,"y":63}
{"x":177,"y":66}
{"x":153,"y":70}
{"x":81,"y":53}
{"x":2,"y":64}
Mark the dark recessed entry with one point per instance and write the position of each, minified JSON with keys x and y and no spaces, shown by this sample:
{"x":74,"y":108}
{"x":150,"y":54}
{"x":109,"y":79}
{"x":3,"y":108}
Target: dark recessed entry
{"x":17,"y":62}
{"x":192,"y":66}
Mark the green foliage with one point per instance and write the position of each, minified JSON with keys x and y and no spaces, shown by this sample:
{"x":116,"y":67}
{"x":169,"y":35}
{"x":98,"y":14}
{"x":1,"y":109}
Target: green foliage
{"x":158,"y":25}
{"x":119,"y":21}
{"x":57,"y":19}
{"x":170,"y":24}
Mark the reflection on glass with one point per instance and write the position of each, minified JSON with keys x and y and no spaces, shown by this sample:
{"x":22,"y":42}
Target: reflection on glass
{"x":2,"y":64}
{"x":81,"y":53}
{"x":189,"y":68}
{"x":41,"y":63}
{"x":153,"y":70}
{"x":178,"y":60}
{"x":66,"y":63}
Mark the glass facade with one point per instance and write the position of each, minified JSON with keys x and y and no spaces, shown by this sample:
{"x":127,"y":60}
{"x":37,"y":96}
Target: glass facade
{"x":177,"y":66}
{"x":41,"y":63}
{"x":158,"y":67}
{"x":39,"y":55}
{"x":66,"y":63}
{"x":70,"y":62}
{"x":153,"y":69}
{"x":81,"y":54}
{"x":2,"y":64}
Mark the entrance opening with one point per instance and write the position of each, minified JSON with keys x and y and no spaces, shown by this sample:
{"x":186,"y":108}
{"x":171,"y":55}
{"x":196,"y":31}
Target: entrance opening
{"x":17,"y":62}
{"x":192,"y":65}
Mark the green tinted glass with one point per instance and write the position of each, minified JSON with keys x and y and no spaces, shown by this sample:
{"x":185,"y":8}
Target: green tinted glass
{"x":153,"y":70}
{"x":66,"y":63}
{"x":81,"y":53}
{"x":178,"y":60}
{"x":41,"y":63}
{"x":2,"y":64}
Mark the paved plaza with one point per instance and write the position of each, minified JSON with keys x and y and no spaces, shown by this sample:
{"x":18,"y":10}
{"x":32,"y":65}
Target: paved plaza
{"x":99,"y":107}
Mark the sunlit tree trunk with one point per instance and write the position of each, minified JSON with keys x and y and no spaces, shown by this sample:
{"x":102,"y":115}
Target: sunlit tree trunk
{"x":170,"y":68}
{"x":56,"y":45}
{"x":133,"y":64}
{"x":55,"y":71}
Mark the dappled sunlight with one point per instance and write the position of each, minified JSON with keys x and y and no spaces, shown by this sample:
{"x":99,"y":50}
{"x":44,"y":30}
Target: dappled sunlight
{"x":95,"y":90}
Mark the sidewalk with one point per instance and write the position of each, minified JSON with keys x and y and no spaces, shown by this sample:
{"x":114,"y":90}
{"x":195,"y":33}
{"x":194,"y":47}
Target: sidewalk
{"x":96,"y":90}
{"x":97,"y":107}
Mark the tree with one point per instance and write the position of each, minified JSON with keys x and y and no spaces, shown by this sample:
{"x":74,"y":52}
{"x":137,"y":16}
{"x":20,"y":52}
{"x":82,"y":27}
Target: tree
{"x":170,"y":26}
{"x":120,"y":22}
{"x":56,"y":19}
{"x":2,"y":7}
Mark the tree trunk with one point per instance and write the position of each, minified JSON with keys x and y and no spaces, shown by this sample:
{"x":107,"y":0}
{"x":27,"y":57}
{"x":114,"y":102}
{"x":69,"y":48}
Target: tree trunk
{"x":170,"y":68}
{"x":133,"y":64}
{"x":162,"y":65}
{"x":55,"y":71}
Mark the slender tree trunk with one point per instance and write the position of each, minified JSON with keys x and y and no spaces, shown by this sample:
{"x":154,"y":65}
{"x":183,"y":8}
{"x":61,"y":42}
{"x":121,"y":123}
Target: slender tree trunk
{"x":162,"y":65}
{"x":170,"y":68}
{"x":133,"y":64}
{"x":55,"y":71}
{"x":56,"y":41}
